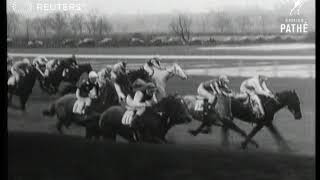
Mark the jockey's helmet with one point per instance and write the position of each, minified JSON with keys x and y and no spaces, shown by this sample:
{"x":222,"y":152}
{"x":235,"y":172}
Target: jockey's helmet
{"x":9,"y":59}
{"x":155,"y":61}
{"x":119,"y":67}
{"x":263,"y":78}
{"x":26,"y":60}
{"x":224,"y":79}
{"x":93,"y":76}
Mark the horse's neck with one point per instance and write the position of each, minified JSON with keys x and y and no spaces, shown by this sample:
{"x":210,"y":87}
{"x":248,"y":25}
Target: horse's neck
{"x":161,"y":77}
{"x":275,"y":106}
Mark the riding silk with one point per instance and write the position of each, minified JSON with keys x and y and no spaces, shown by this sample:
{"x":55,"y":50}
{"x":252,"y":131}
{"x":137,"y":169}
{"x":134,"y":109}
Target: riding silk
{"x":199,"y":104}
{"x":19,"y":69}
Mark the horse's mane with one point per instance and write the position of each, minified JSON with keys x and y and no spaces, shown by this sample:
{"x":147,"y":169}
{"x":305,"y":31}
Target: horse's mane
{"x":139,"y":74}
{"x":125,"y":83}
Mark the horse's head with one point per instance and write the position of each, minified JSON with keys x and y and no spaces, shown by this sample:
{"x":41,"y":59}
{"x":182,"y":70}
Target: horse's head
{"x":291,"y":100}
{"x":178,"y":71}
{"x":175,"y":108}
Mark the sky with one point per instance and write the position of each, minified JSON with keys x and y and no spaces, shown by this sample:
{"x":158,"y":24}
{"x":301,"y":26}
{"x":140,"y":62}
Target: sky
{"x":110,"y":7}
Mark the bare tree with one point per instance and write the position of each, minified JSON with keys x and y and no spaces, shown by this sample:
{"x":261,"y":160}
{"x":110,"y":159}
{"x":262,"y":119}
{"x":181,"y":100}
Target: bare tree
{"x":28,"y":25}
{"x":45,"y":24}
{"x":104,"y":26}
{"x":12,"y":23}
{"x":59,"y":23}
{"x":244,"y":23}
{"x":222,"y":21}
{"x":36,"y":26}
{"x":91,"y":23}
{"x":182,"y":27}
{"x":77,"y":24}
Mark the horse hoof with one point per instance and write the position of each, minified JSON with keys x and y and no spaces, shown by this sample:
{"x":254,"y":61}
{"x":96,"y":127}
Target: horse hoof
{"x":243,"y":146}
{"x":192,"y":132}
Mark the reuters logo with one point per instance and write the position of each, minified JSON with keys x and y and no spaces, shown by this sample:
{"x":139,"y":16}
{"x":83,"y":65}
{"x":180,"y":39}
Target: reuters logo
{"x":23,"y":7}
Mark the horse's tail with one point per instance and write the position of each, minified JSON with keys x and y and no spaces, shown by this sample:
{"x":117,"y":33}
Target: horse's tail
{"x":51,"y":111}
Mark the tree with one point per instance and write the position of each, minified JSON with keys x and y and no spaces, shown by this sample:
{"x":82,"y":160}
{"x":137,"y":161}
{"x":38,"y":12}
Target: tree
{"x":103,"y":25}
{"x":77,"y":24}
{"x":244,"y":23}
{"x":182,"y":27}
{"x":222,"y":21}
{"x":44,"y":24}
{"x":91,"y":23}
{"x":13,"y":21}
{"x":36,"y":26}
{"x":59,"y":23}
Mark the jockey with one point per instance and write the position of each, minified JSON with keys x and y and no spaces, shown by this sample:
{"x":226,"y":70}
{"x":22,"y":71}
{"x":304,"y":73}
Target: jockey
{"x":143,"y":97}
{"x":69,"y":62}
{"x":119,"y":71}
{"x":19,"y":69}
{"x":152,"y":63}
{"x":51,"y":65}
{"x":256,"y":86}
{"x":87,"y":90}
{"x":9,"y":62}
{"x":40,"y":64}
{"x":210,"y":89}
{"x":104,"y":74}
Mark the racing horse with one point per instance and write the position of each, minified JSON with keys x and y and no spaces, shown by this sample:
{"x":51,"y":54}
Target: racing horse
{"x":161,"y":76}
{"x":24,"y":87}
{"x":70,"y":77}
{"x":154,"y":123}
{"x":219,"y":115}
{"x":63,"y":107}
{"x":289,"y":99}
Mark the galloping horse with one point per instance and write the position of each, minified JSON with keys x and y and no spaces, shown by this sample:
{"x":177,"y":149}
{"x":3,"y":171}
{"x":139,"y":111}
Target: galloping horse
{"x":161,"y":76}
{"x":154,"y":126}
{"x":220,"y":115}
{"x":287,"y":99}
{"x":24,"y":87}
{"x":70,"y":78}
{"x":63,"y":107}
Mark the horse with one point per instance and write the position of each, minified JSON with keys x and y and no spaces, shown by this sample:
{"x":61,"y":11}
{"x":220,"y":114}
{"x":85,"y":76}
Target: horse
{"x":220,"y":115}
{"x":70,"y":76}
{"x":63,"y":108}
{"x":24,"y":87}
{"x":161,"y":76}
{"x":155,"y":122}
{"x":289,"y":99}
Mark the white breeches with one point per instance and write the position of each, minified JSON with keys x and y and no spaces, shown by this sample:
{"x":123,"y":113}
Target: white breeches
{"x":204,"y":93}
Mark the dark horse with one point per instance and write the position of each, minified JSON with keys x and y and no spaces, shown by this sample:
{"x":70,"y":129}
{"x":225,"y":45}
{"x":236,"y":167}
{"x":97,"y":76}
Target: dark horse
{"x":64,"y":79}
{"x":287,"y":99}
{"x":155,"y":121}
{"x":63,"y":107}
{"x":108,"y":97}
{"x":220,"y":115}
{"x":24,"y":87}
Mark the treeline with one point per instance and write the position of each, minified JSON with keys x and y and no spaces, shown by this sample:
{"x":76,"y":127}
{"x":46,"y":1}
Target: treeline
{"x":61,"y":29}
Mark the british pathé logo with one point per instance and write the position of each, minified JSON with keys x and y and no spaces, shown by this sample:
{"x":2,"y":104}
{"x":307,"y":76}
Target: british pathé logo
{"x":294,"y":22}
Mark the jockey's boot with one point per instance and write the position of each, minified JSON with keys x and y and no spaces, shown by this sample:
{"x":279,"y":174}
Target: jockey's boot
{"x":136,"y":125}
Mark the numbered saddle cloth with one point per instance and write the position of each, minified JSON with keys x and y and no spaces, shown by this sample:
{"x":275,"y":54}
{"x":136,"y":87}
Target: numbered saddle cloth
{"x":199,"y":104}
{"x":128,"y":116}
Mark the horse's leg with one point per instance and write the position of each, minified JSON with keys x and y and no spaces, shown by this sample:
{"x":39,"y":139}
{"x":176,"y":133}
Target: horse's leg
{"x":59,"y":126}
{"x":198,"y":130}
{"x":23,"y":101}
{"x":225,"y":136}
{"x":281,"y":142}
{"x":257,"y":128}
{"x":108,"y":133}
{"x":234,"y":127}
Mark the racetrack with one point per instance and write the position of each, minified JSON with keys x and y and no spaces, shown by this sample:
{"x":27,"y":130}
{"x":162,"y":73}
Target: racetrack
{"x":300,"y":134}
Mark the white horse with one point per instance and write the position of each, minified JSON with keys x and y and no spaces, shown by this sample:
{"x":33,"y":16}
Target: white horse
{"x":161,"y":76}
